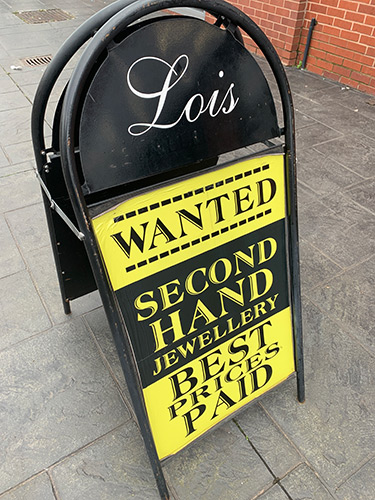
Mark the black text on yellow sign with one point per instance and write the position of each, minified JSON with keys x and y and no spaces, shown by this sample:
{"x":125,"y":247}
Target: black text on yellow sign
{"x":167,"y":225}
{"x":199,"y":269}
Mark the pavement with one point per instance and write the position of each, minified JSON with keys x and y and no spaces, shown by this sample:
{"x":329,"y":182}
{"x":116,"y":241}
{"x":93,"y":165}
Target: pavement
{"x":67,"y":429}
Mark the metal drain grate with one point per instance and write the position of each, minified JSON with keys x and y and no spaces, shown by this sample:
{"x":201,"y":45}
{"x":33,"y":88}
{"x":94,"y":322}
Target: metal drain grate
{"x":37,"y":60}
{"x":43,"y":16}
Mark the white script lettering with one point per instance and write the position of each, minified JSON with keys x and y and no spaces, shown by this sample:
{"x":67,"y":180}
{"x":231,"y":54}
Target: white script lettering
{"x":197,"y":100}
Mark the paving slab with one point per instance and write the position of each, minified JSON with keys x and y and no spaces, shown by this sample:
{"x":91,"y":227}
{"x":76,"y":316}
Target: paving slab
{"x":42,"y":269}
{"x":322,"y":174}
{"x":364,"y":194}
{"x":115,"y":467}
{"x":303,"y":121}
{"x":22,"y":313}
{"x":7,"y":85}
{"x":345,"y":243}
{"x":18,"y":168}
{"x":20,"y":152}
{"x":338,"y":117}
{"x":27,"y":76}
{"x":19,"y":190}
{"x":4,"y":160}
{"x":355,"y":151}
{"x":274,"y":493}
{"x":222,"y":463}
{"x":12,"y":100}
{"x":361,"y":485}
{"x":348,"y":298}
{"x":315,"y":134}
{"x":29,"y":227}
{"x":333,"y":428}
{"x":304,"y":483}
{"x":279,"y":454}
{"x":37,"y":488}
{"x":15,"y":125}
{"x":342,"y":205}
{"x":10,"y":258}
{"x":307,"y":84}
{"x":316,"y":268}
{"x":56,"y":399}
{"x":350,"y":98}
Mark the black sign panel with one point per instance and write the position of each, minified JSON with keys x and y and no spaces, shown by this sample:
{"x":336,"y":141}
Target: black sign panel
{"x":170,"y":94}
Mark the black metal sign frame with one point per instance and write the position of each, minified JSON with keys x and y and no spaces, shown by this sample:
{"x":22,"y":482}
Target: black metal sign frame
{"x":72,"y":199}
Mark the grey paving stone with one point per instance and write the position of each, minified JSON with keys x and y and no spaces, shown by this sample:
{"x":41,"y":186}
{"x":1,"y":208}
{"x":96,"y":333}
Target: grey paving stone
{"x":348,"y":121}
{"x":38,"y":488}
{"x":29,"y":227}
{"x":4,"y":162}
{"x":303,"y":483}
{"x":217,"y":465}
{"x":29,"y":90}
{"x":346,"y":244}
{"x":305,"y":196}
{"x":333,"y":429}
{"x":354,"y":151}
{"x":349,"y":98}
{"x":309,"y":105}
{"x":19,"y":40}
{"x":316,"y":268}
{"x":305,"y":83}
{"x":275,"y":493}
{"x":346,"y":208}
{"x":9,"y":19}
{"x":29,"y":76}
{"x":10,"y":259}
{"x":18,"y":168}
{"x":19,"y":190}
{"x":314,"y":134}
{"x":98,"y":323}
{"x":3,"y":52}
{"x":15,"y":126}
{"x":20,"y":152}
{"x":273,"y":447}
{"x":359,"y":486}
{"x":43,"y":270}
{"x":12,"y":100}
{"x":323,"y":174}
{"x":57,"y":398}
{"x":114,"y":468}
{"x":7,"y":84}
{"x":21,"y":311}
{"x":364,"y":194}
{"x":348,"y":298}
{"x":25,"y":28}
{"x":303,"y":120}
{"x":23,"y":5}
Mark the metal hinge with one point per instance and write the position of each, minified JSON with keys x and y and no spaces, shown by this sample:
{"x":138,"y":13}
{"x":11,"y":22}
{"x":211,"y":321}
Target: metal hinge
{"x":54,"y":206}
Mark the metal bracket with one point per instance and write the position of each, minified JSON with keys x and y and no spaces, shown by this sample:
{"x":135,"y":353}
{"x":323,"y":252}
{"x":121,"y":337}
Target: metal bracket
{"x":54,"y":206}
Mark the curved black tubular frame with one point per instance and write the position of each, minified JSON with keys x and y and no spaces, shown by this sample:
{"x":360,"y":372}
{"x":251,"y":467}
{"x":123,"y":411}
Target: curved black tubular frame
{"x":121,"y":20}
{"x":86,"y":31}
{"x":82,"y":34}
{"x":47,"y":82}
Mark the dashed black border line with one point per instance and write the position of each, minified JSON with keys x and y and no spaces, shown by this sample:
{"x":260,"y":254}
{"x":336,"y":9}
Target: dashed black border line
{"x":189,"y":194}
{"x":197,"y":241}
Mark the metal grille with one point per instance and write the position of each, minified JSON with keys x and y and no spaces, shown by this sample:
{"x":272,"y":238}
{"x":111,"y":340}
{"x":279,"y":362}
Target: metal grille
{"x":38,"y":60}
{"x":43,"y":16}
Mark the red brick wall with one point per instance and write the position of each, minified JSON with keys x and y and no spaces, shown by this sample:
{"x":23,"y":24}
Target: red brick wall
{"x":343,"y":42}
{"x":281,"y":20}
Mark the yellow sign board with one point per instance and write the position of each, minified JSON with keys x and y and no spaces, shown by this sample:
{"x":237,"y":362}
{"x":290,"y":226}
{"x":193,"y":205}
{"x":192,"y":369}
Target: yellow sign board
{"x":199,"y":270}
